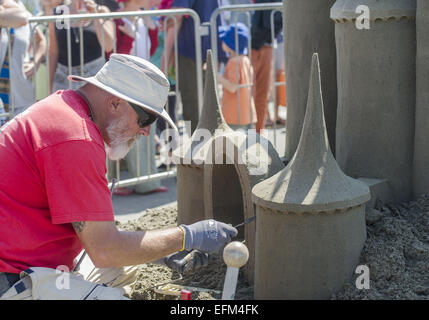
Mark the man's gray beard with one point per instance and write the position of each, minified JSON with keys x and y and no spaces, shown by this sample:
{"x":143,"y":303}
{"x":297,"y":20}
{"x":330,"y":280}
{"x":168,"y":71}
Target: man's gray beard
{"x":119,"y":146}
{"x":119,"y":151}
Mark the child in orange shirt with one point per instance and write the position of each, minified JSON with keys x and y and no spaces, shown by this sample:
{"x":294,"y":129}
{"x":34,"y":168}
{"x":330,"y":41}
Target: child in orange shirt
{"x":237,"y":102}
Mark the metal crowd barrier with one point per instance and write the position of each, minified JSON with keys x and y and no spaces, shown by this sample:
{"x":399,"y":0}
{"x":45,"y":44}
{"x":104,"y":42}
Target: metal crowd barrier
{"x":168,"y":14}
{"x":246,"y":9}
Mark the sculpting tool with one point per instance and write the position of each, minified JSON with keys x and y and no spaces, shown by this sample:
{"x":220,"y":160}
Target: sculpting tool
{"x":246,"y":222}
{"x":176,"y":289}
{"x":235,"y":255}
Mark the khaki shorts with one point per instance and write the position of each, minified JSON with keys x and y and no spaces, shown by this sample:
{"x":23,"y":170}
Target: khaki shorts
{"x":89,"y":283}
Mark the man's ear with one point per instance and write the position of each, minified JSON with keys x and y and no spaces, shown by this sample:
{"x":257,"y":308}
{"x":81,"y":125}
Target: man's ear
{"x":114,"y":103}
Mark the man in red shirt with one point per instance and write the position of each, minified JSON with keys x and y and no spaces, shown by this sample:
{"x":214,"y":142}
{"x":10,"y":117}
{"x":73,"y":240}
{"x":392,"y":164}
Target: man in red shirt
{"x":54,"y":196}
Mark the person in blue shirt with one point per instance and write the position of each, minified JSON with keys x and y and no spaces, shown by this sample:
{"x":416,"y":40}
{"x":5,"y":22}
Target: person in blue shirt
{"x":186,"y":51}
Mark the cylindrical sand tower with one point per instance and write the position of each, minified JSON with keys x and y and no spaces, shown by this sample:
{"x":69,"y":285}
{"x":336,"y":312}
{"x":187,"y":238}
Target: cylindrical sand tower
{"x":228,"y":187}
{"x":421,"y":141}
{"x":307,"y":28}
{"x":190,"y":156}
{"x":310,"y":217}
{"x":376,"y":90}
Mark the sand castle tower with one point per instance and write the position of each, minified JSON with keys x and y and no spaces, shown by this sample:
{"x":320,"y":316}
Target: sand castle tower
{"x":218,"y":167}
{"x":421,"y":143}
{"x":307,"y":28}
{"x":238,"y":162}
{"x":376,"y":90}
{"x":191,"y":155}
{"x":310,"y":224}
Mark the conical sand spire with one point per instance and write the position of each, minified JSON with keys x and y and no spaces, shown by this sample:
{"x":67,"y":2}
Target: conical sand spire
{"x":310,"y":225}
{"x":211,"y":121}
{"x":211,"y":117}
{"x":314,"y":138}
{"x":312,"y":181}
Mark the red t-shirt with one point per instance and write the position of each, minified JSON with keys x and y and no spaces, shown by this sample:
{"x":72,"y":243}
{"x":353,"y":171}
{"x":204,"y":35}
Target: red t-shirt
{"x":52,"y":173}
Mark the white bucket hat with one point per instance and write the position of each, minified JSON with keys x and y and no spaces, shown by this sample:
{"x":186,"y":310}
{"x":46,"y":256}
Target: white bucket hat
{"x":135,"y":80}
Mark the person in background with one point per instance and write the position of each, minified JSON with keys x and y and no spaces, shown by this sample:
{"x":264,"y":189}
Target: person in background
{"x":279,"y":92}
{"x":237,"y":103}
{"x":18,"y":66}
{"x":262,"y":55}
{"x":24,"y":62}
{"x":280,"y":77}
{"x":12,"y":15}
{"x":159,"y":59}
{"x":2,"y":111}
{"x":33,"y":6}
{"x":92,"y":38}
{"x":230,"y":17}
{"x":134,"y":36}
{"x":186,"y":50}
{"x":112,"y":5}
{"x":138,"y":37}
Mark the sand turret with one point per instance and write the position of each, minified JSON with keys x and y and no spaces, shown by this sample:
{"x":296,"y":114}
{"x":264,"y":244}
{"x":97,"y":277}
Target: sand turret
{"x":310,"y":224}
{"x":307,"y":29}
{"x":190,"y":156}
{"x":376,"y":63}
{"x":421,"y":142}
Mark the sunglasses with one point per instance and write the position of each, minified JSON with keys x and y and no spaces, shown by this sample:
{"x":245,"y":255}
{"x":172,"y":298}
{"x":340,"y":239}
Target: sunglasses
{"x":145,"y":118}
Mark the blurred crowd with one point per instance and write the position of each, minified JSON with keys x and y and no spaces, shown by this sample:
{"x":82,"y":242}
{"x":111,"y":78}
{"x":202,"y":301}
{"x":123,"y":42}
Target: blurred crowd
{"x":246,"y":76}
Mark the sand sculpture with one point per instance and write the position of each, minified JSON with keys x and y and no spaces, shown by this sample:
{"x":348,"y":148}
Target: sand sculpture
{"x":380,"y":131}
{"x":310,"y":224}
{"x":376,"y":91}
{"x":307,"y":28}
{"x":217,"y":182}
{"x":190,"y":156}
{"x":247,"y":160}
{"x":421,"y":141}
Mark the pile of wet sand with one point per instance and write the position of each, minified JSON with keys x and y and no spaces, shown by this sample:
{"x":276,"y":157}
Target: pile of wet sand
{"x":152,"y":275}
{"x":396,"y":252}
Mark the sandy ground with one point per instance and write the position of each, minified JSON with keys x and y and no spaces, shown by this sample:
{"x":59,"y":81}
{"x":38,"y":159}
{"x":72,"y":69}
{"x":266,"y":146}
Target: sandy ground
{"x":396,"y":252}
{"x":151,"y":275}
